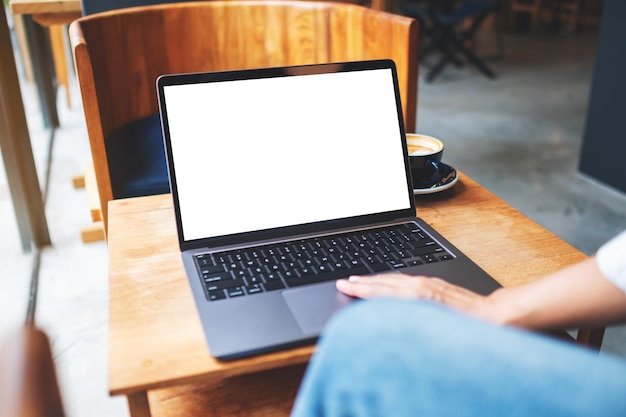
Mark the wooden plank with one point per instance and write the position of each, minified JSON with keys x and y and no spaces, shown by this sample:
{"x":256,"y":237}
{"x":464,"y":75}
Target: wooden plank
{"x":57,"y":42}
{"x":264,"y":394}
{"x":44,"y":6}
{"x":78,"y":181}
{"x":138,"y":405}
{"x":51,"y":19}
{"x":93,"y":198}
{"x":92,"y":233}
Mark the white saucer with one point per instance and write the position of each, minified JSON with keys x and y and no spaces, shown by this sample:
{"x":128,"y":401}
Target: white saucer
{"x":438,"y":188}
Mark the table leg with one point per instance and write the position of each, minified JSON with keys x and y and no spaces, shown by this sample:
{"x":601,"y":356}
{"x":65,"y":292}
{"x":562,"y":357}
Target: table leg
{"x":43,"y":70}
{"x":57,"y":42}
{"x":138,"y":405}
{"x":16,"y":150}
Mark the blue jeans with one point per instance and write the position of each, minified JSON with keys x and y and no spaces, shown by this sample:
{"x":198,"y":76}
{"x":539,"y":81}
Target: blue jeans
{"x":395,"y":358}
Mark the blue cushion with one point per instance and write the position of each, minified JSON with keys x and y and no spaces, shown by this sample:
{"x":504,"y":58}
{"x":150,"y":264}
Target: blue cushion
{"x":136,"y":156}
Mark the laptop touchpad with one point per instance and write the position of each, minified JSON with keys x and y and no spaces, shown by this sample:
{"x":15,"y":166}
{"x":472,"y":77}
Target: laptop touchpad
{"x":312,"y":306}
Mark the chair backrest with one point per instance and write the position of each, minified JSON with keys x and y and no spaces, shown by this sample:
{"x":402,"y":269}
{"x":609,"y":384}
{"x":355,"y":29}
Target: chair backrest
{"x":119,"y":54}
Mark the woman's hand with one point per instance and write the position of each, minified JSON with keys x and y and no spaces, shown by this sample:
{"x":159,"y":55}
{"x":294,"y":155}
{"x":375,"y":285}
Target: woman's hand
{"x":419,"y":287}
{"x":576,"y":296}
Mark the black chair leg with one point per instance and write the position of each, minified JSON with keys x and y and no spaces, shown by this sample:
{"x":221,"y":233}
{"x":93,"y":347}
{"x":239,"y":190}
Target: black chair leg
{"x":436,"y":70}
{"x":471,"y":56}
{"x":446,"y":46}
{"x":452,"y":44}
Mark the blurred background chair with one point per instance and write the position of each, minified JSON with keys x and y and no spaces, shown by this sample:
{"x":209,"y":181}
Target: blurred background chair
{"x":560,"y":16}
{"x":119,"y":54}
{"x":28,"y":380}
{"x":448,"y":29}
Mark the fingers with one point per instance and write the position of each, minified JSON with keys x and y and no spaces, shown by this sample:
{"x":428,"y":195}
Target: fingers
{"x":392,"y":285}
{"x":371,"y":287}
{"x":411,"y":287}
{"x":419,"y":287}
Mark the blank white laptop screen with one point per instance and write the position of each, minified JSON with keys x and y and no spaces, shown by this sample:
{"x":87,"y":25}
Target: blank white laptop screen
{"x":264,"y":153}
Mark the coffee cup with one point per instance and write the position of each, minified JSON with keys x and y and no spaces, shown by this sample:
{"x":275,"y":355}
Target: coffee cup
{"x":425,"y":154}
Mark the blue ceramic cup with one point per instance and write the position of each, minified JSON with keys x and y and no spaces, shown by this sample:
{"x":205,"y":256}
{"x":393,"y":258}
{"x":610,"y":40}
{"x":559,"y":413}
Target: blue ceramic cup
{"x":425,"y":154}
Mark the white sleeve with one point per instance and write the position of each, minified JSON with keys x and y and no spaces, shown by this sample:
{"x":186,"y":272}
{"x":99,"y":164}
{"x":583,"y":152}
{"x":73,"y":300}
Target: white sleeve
{"x":611,"y":259}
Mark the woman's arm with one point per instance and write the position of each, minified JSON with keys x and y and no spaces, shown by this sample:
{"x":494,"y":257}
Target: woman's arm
{"x":579,"y":295}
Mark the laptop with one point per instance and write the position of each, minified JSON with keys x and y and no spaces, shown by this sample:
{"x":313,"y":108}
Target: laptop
{"x":283,"y":181}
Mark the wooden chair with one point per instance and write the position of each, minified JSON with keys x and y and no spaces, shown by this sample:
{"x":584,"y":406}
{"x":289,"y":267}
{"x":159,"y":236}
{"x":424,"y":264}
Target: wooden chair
{"x":119,"y":55}
{"x":88,"y":181}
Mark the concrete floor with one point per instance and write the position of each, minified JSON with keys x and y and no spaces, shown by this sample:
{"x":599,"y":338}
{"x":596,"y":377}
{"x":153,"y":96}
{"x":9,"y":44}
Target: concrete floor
{"x":518,"y":135}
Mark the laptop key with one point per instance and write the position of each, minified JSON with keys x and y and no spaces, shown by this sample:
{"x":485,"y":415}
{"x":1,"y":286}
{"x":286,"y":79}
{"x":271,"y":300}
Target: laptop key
{"x":307,"y":270}
{"x":328,"y":276}
{"x":217,"y":295}
{"x":235,"y":292}
{"x":426,"y":250}
{"x":380,"y":267}
{"x":273,"y":285}
{"x":224,"y":284}
{"x":254,"y":279}
{"x":290,"y":274}
{"x":218,"y":276}
{"x":254,"y":289}
{"x":204,"y":260}
{"x":430,"y":259}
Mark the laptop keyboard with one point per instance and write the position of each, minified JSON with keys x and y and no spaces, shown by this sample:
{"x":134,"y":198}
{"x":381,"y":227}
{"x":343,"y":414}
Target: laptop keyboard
{"x":258,"y":269}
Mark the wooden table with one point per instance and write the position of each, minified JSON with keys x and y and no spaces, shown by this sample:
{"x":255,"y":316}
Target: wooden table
{"x":157,"y":354}
{"x":48,"y":12}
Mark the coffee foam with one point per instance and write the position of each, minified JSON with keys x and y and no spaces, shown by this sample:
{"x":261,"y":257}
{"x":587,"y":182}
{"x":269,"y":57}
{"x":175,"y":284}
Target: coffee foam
{"x":422,"y":145}
{"x":421,"y":150}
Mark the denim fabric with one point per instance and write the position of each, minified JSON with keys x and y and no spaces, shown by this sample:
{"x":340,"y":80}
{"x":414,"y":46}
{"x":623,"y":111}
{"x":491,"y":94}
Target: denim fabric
{"x":413,"y":358}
